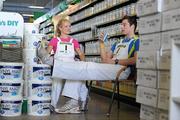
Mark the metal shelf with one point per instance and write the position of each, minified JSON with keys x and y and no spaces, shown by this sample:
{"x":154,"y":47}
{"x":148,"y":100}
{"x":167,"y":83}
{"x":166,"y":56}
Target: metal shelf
{"x":92,"y":54}
{"x":91,"y":39}
{"x":109,"y":90}
{"x":104,"y":11}
{"x":79,"y":31}
{"x":84,"y":7}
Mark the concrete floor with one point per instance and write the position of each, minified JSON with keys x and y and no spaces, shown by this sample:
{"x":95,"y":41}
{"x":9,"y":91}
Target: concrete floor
{"x":98,"y":106}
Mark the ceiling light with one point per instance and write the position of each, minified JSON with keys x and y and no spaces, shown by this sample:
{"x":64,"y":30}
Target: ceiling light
{"x":28,"y":15}
{"x":36,"y":7}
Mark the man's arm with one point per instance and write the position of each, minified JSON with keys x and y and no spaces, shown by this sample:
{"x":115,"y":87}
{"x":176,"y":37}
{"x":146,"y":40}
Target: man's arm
{"x":105,"y":55}
{"x":129,"y":61}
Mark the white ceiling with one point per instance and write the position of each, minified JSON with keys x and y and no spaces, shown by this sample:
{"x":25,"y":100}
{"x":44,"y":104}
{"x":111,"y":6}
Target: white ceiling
{"x":21,"y":6}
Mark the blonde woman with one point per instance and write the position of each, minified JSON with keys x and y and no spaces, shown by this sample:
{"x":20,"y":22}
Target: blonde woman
{"x":64,"y":47}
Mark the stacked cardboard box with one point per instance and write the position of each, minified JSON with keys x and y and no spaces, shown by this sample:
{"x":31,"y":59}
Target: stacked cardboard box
{"x":158,"y":26}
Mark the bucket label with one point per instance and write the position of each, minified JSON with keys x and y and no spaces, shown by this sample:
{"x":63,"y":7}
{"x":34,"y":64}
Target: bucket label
{"x":41,"y":90}
{"x":10,"y":108}
{"x":10,"y":89}
{"x":42,"y":73}
{"x":40,"y":107}
{"x":10,"y":72}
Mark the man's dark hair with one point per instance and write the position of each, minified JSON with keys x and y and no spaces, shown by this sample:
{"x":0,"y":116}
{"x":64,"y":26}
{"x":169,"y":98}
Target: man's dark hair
{"x":132,"y":21}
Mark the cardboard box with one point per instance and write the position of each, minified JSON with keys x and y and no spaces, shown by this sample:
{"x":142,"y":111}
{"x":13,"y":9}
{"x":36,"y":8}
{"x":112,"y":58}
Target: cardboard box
{"x":148,"y":113}
{"x":150,"y":24}
{"x":147,"y":78}
{"x":163,"y":115}
{"x":164,"y":79}
{"x":147,"y":59}
{"x":146,"y":7}
{"x":154,"y":59}
{"x":163,"y":99}
{"x":168,"y":37}
{"x":170,"y":4}
{"x":171,"y":20}
{"x":150,"y":41}
{"x":164,"y":60}
{"x":147,"y":96}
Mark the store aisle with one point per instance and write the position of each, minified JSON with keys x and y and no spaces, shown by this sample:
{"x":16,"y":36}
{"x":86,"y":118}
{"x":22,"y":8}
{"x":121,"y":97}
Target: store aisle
{"x":97,"y":111}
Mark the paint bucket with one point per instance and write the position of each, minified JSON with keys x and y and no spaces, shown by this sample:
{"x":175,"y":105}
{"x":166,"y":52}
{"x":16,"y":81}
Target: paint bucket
{"x":31,"y":41}
{"x":39,"y":90}
{"x":30,"y":56}
{"x":11,"y":71}
{"x":39,"y":72}
{"x":10,"y":107}
{"x":11,"y":89}
{"x":38,"y":107}
{"x":31,"y":28}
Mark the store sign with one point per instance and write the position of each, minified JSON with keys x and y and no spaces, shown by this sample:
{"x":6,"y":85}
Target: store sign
{"x":11,"y":24}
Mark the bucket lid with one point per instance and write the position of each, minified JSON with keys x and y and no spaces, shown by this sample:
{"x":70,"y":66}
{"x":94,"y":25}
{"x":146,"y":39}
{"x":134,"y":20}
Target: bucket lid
{"x":30,"y":99}
{"x":12,"y":81}
{"x":39,"y":82}
{"x":11,"y":64}
{"x":17,"y":98}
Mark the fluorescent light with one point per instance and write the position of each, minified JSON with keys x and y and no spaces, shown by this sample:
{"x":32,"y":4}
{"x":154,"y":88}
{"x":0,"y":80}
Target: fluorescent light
{"x":38,"y":7}
{"x":28,"y":15}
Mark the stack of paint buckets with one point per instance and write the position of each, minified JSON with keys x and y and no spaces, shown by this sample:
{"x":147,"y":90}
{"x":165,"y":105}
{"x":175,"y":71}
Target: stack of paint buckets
{"x":38,"y":79}
{"x":11,"y":84}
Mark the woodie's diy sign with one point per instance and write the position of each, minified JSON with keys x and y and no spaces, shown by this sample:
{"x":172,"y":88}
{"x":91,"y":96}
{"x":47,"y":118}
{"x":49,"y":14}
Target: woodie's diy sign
{"x":11,"y":24}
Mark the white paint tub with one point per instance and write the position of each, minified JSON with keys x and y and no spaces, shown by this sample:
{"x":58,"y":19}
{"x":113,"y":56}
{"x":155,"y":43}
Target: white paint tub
{"x":10,"y":107}
{"x":39,"y":72}
{"x":32,"y":40}
{"x":11,"y":71}
{"x":11,"y":89}
{"x":30,"y":56}
{"x":39,"y":90}
{"x":39,"y":107}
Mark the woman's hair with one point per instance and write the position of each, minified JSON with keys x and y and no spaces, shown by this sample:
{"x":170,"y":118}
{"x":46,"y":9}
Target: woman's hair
{"x":60,"y":22}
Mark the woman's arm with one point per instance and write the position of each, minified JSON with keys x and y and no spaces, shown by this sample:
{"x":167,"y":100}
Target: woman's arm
{"x":80,"y":53}
{"x":49,"y":49}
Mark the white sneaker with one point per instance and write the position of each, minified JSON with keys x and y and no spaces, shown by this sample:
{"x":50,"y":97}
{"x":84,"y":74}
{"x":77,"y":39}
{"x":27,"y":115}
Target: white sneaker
{"x":71,"y":106}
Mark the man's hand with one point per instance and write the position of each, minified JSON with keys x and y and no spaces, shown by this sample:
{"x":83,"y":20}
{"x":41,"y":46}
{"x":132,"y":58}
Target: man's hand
{"x":101,"y":38}
{"x":110,"y":61}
